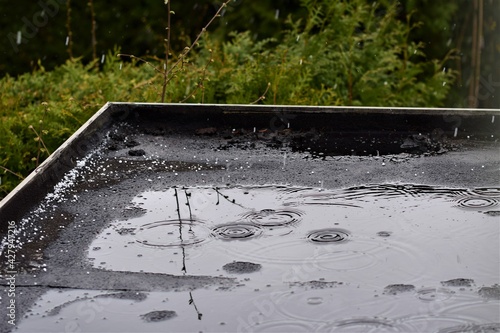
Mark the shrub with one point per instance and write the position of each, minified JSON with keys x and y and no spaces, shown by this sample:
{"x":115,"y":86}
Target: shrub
{"x":340,"y":53}
{"x":72,"y":93}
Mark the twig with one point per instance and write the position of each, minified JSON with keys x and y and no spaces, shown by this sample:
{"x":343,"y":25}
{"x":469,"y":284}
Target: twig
{"x":131,"y":56}
{"x":189,"y":207}
{"x":169,"y":73}
{"x":263,"y":96}
{"x":40,"y":141}
{"x":178,"y":207}
{"x":233,"y":201}
{"x":12,"y":172}
{"x":186,"y":50}
{"x":68,"y":28}
{"x":191,"y":301}
{"x":477,"y":34}
{"x":200,"y":85}
{"x":180,"y":231}
{"x":93,"y":29}
{"x":167,"y":51}
{"x":40,"y":133}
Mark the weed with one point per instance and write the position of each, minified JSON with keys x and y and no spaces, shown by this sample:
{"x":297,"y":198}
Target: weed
{"x":168,"y":73}
{"x":39,"y":136}
{"x":263,"y":96}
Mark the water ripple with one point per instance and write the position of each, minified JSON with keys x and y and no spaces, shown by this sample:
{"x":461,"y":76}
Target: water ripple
{"x":476,"y":203}
{"x":236,"y":231}
{"x":274,"y":217}
{"x":172,"y":233}
{"x":333,"y":235}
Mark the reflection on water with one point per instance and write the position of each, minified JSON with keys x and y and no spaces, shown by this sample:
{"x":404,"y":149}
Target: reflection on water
{"x":372,"y":258}
{"x":171,"y":233}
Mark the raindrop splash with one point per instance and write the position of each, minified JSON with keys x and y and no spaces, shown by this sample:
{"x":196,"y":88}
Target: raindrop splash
{"x":168,"y":233}
{"x":476,"y":203}
{"x":328,"y":236}
{"x":271,"y":217}
{"x":236,"y":231}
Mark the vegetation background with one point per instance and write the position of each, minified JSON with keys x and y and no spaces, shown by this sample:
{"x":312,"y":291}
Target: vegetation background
{"x":59,"y":63}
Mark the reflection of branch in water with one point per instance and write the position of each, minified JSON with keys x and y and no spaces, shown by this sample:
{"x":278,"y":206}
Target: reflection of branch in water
{"x":191,"y":301}
{"x":183,"y":260}
{"x":227,"y":198}
{"x":180,"y":232}
{"x":189,"y":206}
{"x":178,"y":208}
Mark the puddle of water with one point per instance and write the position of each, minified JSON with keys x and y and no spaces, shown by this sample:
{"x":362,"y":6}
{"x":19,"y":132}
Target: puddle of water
{"x":335,"y":308}
{"x":96,"y":311}
{"x":391,"y":233}
{"x":375,"y":258}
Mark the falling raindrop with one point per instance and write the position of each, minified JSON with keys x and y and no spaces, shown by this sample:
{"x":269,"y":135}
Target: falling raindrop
{"x":492,"y":119}
{"x":19,"y":37}
{"x":277,"y":14}
{"x":456,"y":132}
{"x":67,"y":40}
{"x":103,"y":58}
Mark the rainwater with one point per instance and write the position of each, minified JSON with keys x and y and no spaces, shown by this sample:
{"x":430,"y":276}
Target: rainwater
{"x":372,"y":258}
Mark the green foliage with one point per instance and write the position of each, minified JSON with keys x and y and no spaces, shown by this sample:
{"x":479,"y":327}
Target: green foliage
{"x":339,"y":53}
{"x":138,"y":26}
{"x":73,"y":92}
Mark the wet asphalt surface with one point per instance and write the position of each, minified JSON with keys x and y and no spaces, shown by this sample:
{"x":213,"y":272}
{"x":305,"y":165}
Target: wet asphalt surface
{"x":135,"y":158}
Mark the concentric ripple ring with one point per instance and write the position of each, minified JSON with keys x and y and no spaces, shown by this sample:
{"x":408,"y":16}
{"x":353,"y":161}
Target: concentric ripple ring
{"x":487,"y":191}
{"x":236,"y":231}
{"x":477,"y":202}
{"x":333,"y":235}
{"x":172,"y":233}
{"x":274,"y":218}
